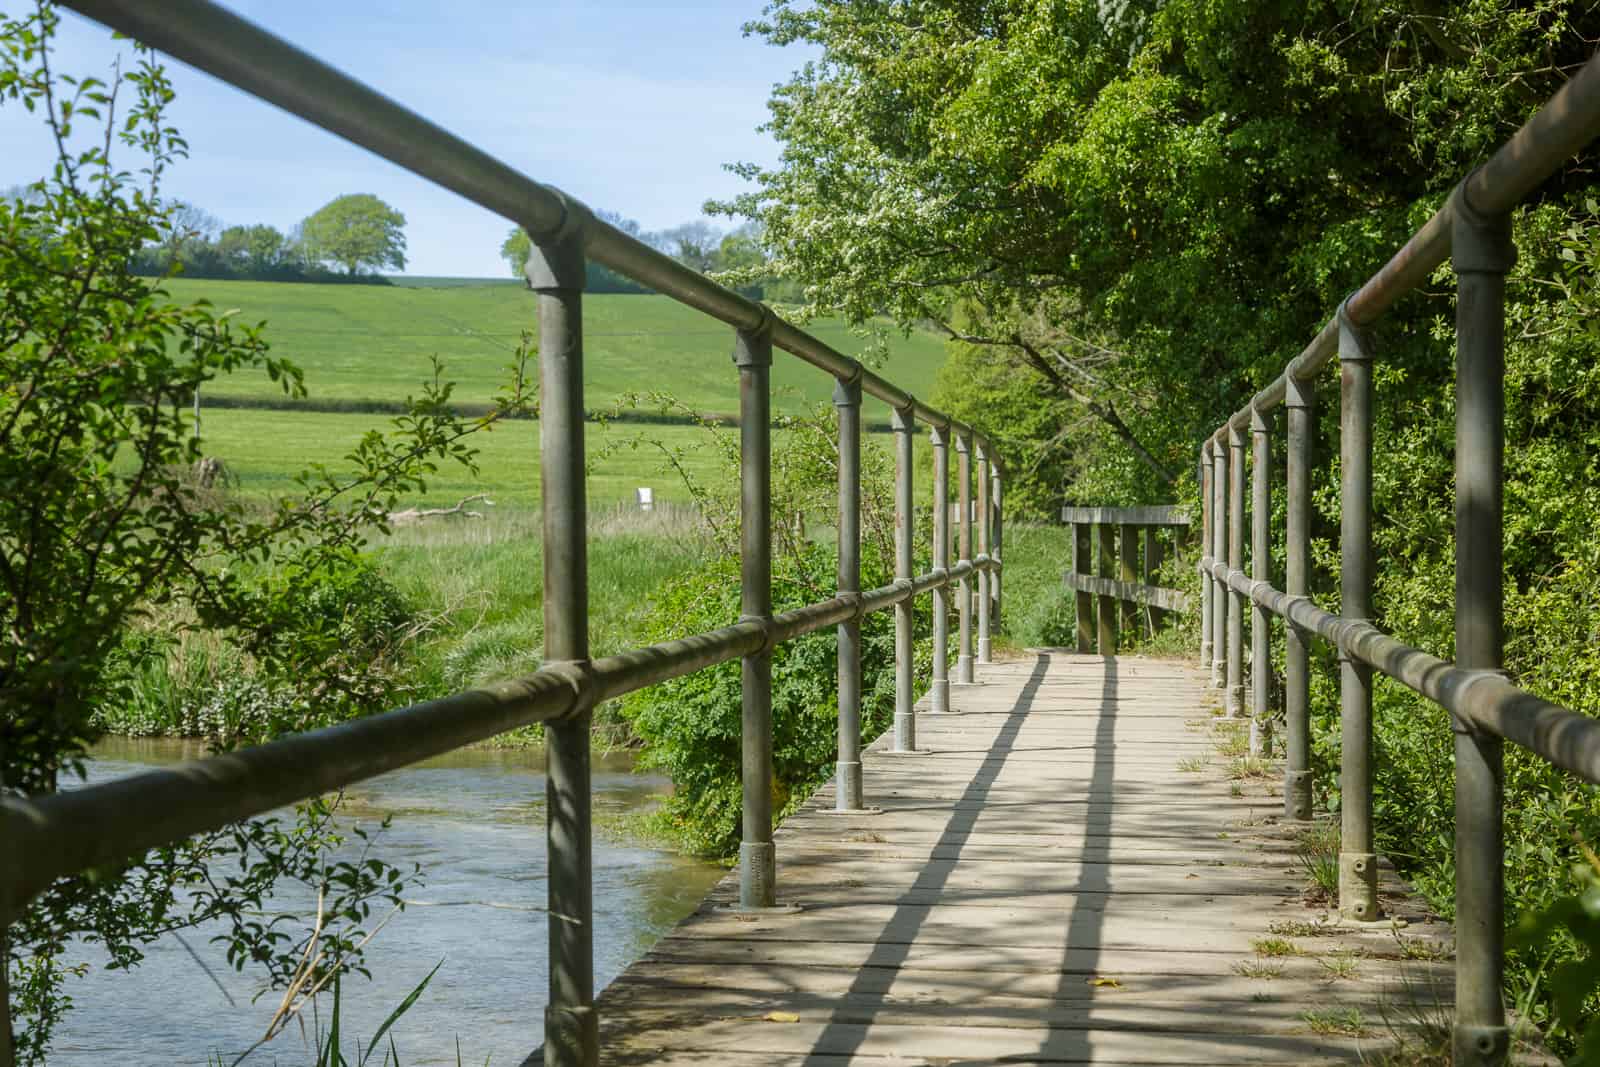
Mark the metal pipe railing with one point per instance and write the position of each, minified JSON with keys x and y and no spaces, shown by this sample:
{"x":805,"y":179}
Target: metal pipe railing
{"x":55,"y":836}
{"x":1473,"y":228}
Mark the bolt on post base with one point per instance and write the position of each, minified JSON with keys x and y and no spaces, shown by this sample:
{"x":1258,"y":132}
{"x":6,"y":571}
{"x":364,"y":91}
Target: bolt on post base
{"x":1484,"y":1045}
{"x":939,"y":696}
{"x":571,"y":1036}
{"x":1235,"y":701}
{"x":1297,"y":795}
{"x":1358,"y":886}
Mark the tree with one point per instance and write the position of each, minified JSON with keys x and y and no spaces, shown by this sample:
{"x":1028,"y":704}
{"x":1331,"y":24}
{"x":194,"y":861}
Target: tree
{"x":101,"y":525}
{"x":185,"y":227}
{"x":354,"y":231}
{"x":694,"y":244}
{"x":1189,"y":184}
{"x":252,"y":250}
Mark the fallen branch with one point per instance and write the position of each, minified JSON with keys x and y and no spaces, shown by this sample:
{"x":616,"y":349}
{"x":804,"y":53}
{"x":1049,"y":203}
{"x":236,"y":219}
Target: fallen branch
{"x":411,"y":516}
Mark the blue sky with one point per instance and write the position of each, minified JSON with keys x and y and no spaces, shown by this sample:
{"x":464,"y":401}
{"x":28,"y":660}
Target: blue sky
{"x":633,"y":107}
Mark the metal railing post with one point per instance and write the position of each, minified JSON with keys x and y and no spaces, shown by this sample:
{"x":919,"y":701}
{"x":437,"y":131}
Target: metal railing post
{"x":1297,"y":581}
{"x":1219,"y":553}
{"x":1207,"y":584}
{"x":1261,"y":571}
{"x":997,"y":506}
{"x":1234,"y":697}
{"x":752,"y":354}
{"x":939,"y":689}
{"x":1482,"y":254}
{"x":984,"y":604}
{"x":1358,"y":866}
{"x":556,"y":272}
{"x":847,"y":774}
{"x":904,"y":423}
{"x":1128,"y":571}
{"x":964,"y":546}
{"x":1083,"y":563}
{"x":1106,"y":606}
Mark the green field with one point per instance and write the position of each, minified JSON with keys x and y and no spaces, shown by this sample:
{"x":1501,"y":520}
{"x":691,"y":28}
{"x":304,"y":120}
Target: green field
{"x":373,"y":342}
{"x":263,"y":450}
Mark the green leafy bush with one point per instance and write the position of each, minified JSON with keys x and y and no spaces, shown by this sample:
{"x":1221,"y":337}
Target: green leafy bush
{"x":334,"y":647}
{"x":690,"y":726}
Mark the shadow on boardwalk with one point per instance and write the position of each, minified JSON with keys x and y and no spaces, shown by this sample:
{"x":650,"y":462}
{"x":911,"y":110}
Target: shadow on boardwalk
{"x":1043,"y":886}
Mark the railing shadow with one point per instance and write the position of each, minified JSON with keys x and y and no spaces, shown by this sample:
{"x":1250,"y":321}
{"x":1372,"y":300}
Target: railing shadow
{"x":868,"y":993}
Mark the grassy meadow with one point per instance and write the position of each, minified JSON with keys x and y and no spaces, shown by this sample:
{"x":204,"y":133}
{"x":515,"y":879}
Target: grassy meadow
{"x":263,"y":450}
{"x":474,"y":585}
{"x":374,"y":342}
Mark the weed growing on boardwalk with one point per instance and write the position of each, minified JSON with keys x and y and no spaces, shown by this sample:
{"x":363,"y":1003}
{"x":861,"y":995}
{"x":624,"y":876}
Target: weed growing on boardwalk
{"x":1274,"y":946}
{"x":1257,"y":968}
{"x":1344,"y":1022}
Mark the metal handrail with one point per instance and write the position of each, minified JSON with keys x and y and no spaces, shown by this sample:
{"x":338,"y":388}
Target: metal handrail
{"x":1473,"y":229}
{"x":111,"y":823}
{"x":134,"y":814}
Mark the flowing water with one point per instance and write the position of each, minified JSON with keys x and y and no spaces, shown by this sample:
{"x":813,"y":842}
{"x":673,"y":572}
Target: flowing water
{"x":475,"y":821}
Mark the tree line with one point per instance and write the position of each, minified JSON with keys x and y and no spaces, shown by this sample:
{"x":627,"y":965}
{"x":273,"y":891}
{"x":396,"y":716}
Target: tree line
{"x":349,"y":239}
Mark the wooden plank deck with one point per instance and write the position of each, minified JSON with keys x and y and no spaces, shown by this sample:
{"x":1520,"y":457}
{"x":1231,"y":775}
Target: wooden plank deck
{"x":1043,"y":885}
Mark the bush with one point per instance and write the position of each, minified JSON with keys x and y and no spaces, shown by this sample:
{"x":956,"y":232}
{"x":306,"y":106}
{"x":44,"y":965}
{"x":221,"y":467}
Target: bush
{"x":335,"y":650}
{"x":690,"y":726}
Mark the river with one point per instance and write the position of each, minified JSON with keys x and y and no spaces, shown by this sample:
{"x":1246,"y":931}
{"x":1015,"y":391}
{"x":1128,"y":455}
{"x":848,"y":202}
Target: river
{"x":475,"y":820}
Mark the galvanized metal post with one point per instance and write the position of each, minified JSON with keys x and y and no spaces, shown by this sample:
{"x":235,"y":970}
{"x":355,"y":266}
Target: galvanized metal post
{"x":1106,"y":606}
{"x":984,"y":604}
{"x":996,"y":505}
{"x":939,"y":691}
{"x":964,"y":546}
{"x":1261,"y":571}
{"x":1219,"y":553}
{"x":556,"y":272}
{"x":752,"y":353}
{"x":1358,"y":864}
{"x":1153,"y":616}
{"x":904,"y":423}
{"x":1297,"y":642}
{"x":1482,"y":253}
{"x":1128,"y":571}
{"x":1207,"y":585}
{"x":1083,"y":563}
{"x":847,"y":774}
{"x":1234,"y":697}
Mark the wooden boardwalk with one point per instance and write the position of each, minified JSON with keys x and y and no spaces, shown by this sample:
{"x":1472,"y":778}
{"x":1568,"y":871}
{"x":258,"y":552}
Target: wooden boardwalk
{"x":1056,"y":880}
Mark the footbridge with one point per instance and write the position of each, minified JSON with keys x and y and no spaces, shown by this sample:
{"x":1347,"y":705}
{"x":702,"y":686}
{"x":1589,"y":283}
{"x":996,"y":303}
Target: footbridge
{"x":1053,"y":856}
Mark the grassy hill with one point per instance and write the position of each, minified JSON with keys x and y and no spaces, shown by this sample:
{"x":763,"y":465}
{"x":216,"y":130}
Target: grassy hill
{"x":366,"y":343}
{"x":371,"y":342}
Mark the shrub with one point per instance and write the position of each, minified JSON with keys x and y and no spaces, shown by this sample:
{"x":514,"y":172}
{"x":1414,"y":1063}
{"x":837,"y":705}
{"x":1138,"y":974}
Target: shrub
{"x":690,"y":726}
